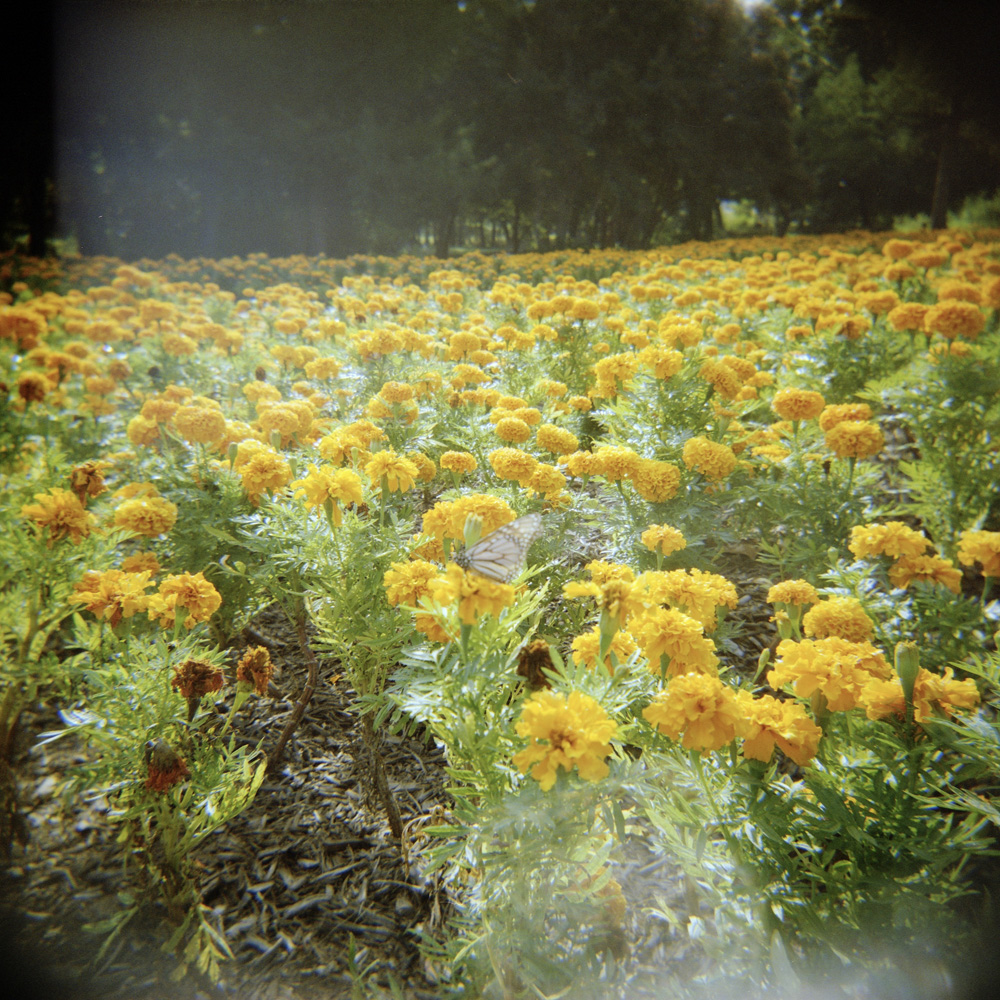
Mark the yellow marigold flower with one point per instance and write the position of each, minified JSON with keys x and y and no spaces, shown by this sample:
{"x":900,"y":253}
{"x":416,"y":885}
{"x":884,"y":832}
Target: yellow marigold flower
{"x":141,"y":431}
{"x":700,"y":707}
{"x":837,"y":413}
{"x":954,"y":318}
{"x":474,"y":594}
{"x":614,"y":595}
{"x":190,"y":592}
{"x":582,"y":404}
{"x":929,"y":569}
{"x":713,"y":460}
{"x":601,"y":572}
{"x":586,"y":648}
{"x":258,"y":391}
{"x":614,"y":462}
{"x":855,"y":439}
{"x":141,"y":562}
{"x":565,"y":732}
{"x":982,"y":547}
{"x":556,"y":439}
{"x":547,"y":480}
{"x":112,"y":595}
{"x":199,"y":424}
{"x":398,"y":473}
{"x":663,"y":538}
{"x":146,"y":515}
{"x":664,"y":361}
{"x":767,"y":721}
{"x":617,"y":369}
{"x":838,"y":616}
{"x":726,"y":382}
{"x":655,"y":481}
{"x":23,"y":325}
{"x":265,"y":471}
{"x":584,"y":309}
{"x":667,"y":632}
{"x":446,"y":520}
{"x":896,"y":249}
{"x":694,"y":592}
{"x":908,"y":316}
{"x":512,"y":463}
{"x":893,"y":538}
{"x":513,"y":430}
{"x":426,"y":469}
{"x":797,"y":592}
{"x":798,"y":404}
{"x":323,"y":368}
{"x":179,"y":345}
{"x":160,"y":410}
{"x":881,"y":698}
{"x":835,"y":667}
{"x":407,"y":583}
{"x":396,"y":392}
{"x":339,"y":486}
{"x":459,"y":462}
{"x":581,"y":463}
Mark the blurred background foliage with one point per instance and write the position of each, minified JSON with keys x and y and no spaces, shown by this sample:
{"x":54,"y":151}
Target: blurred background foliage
{"x":386,"y":126}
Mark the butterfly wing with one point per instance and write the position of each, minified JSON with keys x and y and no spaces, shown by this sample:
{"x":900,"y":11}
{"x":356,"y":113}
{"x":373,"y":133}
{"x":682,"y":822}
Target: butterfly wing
{"x":500,"y":556}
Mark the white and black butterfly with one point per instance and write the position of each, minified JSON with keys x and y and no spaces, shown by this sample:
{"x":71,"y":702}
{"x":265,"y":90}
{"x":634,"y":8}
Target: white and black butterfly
{"x":501,"y":554}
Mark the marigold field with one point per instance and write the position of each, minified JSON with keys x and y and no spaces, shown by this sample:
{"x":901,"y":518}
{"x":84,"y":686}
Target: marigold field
{"x":807,"y":423}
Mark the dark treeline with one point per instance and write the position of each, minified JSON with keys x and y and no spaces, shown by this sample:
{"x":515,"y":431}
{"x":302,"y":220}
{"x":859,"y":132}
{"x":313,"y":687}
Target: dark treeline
{"x":378,"y":126}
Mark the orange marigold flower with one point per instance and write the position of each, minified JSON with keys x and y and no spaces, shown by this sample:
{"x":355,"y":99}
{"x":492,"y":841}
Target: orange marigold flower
{"x":565,"y":731}
{"x":908,"y":316}
{"x":954,"y":318}
{"x":700,"y":707}
{"x":855,"y":439}
{"x":59,"y":514}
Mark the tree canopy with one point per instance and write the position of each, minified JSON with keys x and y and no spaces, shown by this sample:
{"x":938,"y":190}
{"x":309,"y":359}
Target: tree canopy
{"x":378,"y":126}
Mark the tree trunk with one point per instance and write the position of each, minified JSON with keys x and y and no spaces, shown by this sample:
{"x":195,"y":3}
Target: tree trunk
{"x":939,"y":201}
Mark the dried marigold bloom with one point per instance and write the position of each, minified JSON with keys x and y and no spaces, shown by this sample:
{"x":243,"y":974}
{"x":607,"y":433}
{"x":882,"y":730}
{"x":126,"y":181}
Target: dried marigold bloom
{"x":532,"y":662}
{"x":164,"y":766}
{"x":255,"y":669}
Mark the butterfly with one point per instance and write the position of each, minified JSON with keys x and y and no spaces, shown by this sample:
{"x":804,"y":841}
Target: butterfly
{"x":500,"y":555}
